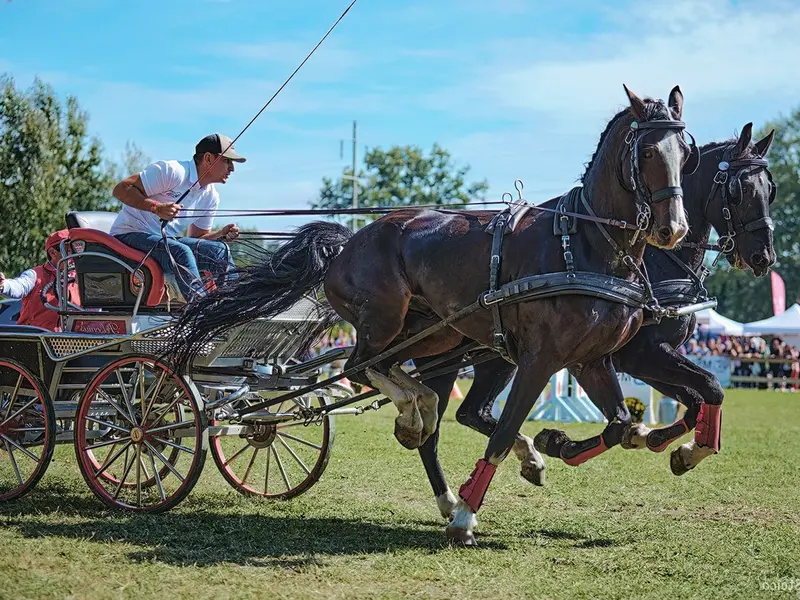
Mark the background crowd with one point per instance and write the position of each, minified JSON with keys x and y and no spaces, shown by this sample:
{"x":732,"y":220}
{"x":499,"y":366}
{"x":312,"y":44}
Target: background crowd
{"x":776,"y":358}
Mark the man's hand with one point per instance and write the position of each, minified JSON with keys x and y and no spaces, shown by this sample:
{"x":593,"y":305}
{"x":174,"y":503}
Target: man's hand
{"x":167,"y":210}
{"x":229,"y":232}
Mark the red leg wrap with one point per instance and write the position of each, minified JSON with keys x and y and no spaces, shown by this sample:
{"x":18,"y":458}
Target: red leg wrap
{"x":473,"y":491}
{"x":709,"y":423}
{"x":582,"y":457}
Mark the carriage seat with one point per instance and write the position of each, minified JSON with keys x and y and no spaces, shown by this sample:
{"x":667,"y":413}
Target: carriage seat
{"x":106,"y":284}
{"x":91,"y":219}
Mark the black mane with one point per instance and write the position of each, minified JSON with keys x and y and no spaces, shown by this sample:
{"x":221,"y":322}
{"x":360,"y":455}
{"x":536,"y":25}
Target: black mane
{"x":655,"y":109}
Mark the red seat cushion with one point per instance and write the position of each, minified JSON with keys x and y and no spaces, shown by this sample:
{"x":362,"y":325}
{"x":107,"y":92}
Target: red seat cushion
{"x":98,"y":237}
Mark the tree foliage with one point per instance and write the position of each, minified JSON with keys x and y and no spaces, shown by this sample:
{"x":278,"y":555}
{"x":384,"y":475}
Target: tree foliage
{"x":403,"y":176}
{"x":741,"y":296}
{"x":48,"y":166}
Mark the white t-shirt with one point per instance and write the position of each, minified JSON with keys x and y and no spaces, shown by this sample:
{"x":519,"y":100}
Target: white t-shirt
{"x":165,"y":181}
{"x":21,"y":286}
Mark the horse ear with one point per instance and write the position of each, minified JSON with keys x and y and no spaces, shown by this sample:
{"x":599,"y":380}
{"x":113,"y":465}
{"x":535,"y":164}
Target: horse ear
{"x":762,"y":146}
{"x":676,"y":102}
{"x":744,"y":139}
{"x":637,"y":105}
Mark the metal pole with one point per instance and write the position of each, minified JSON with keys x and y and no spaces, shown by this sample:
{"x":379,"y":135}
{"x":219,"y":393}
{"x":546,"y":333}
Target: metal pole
{"x":355,"y":177}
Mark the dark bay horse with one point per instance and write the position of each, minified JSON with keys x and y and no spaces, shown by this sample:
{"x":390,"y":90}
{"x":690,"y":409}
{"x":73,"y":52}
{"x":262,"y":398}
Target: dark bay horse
{"x":414,"y":267}
{"x":739,"y":206}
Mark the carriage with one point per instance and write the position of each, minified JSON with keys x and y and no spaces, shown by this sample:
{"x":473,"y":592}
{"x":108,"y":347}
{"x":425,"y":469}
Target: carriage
{"x":141,"y":431}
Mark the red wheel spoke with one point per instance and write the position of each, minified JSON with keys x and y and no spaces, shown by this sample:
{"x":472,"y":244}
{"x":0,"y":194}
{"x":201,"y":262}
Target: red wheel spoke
{"x":109,"y":425}
{"x":294,"y":455}
{"x":280,"y":467}
{"x":164,"y":460}
{"x":123,"y":388}
{"x":157,"y":476}
{"x":124,"y":475}
{"x":110,"y":461}
{"x":299,"y":440}
{"x":13,"y":398}
{"x":13,"y":462}
{"x":22,"y":449}
{"x":116,"y":406}
{"x":157,"y":389}
{"x":235,"y":456}
{"x":21,"y":410}
{"x":250,"y":465}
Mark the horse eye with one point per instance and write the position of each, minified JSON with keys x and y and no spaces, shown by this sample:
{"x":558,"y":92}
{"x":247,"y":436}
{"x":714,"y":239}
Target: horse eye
{"x":647,"y":153}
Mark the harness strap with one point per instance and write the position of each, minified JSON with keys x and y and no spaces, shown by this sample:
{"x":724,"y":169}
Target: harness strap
{"x":688,"y":270}
{"x":499,"y":335}
{"x":602,"y":229}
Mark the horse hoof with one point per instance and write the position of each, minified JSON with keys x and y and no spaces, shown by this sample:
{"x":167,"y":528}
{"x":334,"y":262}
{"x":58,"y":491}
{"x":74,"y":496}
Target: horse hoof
{"x":677,"y":464}
{"x":407,"y":439}
{"x":533,"y":474}
{"x":408,"y":430}
{"x":541,"y":439}
{"x":550,"y":441}
{"x":635,"y":437}
{"x":462,"y":537}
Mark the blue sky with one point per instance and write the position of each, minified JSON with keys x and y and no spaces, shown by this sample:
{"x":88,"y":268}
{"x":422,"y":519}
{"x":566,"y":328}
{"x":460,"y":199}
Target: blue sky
{"x":513,"y":88}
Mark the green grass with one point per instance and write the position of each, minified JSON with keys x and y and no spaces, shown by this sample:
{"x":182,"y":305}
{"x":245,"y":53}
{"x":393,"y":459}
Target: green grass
{"x":620,"y":526}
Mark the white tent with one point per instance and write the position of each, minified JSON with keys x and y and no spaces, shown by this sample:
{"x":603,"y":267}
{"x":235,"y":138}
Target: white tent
{"x":786,"y":323}
{"x":714,"y":322}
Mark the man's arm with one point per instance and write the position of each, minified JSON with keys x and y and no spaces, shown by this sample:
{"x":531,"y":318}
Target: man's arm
{"x":19,"y":287}
{"x":227,"y":233}
{"x":131,"y":192}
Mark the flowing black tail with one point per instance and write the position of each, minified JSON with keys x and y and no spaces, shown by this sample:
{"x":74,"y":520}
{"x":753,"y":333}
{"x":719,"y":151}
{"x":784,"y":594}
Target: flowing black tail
{"x":263,"y":290}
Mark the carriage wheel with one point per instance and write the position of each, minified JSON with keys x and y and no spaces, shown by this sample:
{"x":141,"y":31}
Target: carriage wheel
{"x":140,"y":435}
{"x":27,"y":430}
{"x":113,"y":417}
{"x":277,"y":461}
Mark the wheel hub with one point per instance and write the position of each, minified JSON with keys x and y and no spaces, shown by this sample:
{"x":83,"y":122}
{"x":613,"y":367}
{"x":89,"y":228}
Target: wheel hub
{"x":263,"y":436}
{"x":137,"y":435}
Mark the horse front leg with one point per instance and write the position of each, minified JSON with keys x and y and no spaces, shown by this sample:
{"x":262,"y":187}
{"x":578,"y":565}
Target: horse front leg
{"x":529,"y":383}
{"x":475,"y":412}
{"x":600,"y":381}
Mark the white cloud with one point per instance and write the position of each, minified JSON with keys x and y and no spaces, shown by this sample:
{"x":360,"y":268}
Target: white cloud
{"x":330,"y":62}
{"x":714,"y":51}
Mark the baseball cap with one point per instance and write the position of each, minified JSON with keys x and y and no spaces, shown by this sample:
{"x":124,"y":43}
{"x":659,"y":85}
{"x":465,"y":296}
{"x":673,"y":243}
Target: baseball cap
{"x":54,"y":239}
{"x":216,"y":143}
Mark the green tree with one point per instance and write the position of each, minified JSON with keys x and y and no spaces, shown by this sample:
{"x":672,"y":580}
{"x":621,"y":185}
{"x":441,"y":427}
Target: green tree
{"x":134,"y":160}
{"x":48,"y":166}
{"x":741,"y":296}
{"x":402,"y":176}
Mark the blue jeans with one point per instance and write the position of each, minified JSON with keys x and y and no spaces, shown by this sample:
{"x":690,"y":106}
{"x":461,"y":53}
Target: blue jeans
{"x":190,"y":254}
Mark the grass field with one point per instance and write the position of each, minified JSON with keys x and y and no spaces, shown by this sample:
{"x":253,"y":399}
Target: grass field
{"x":620,"y":526}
